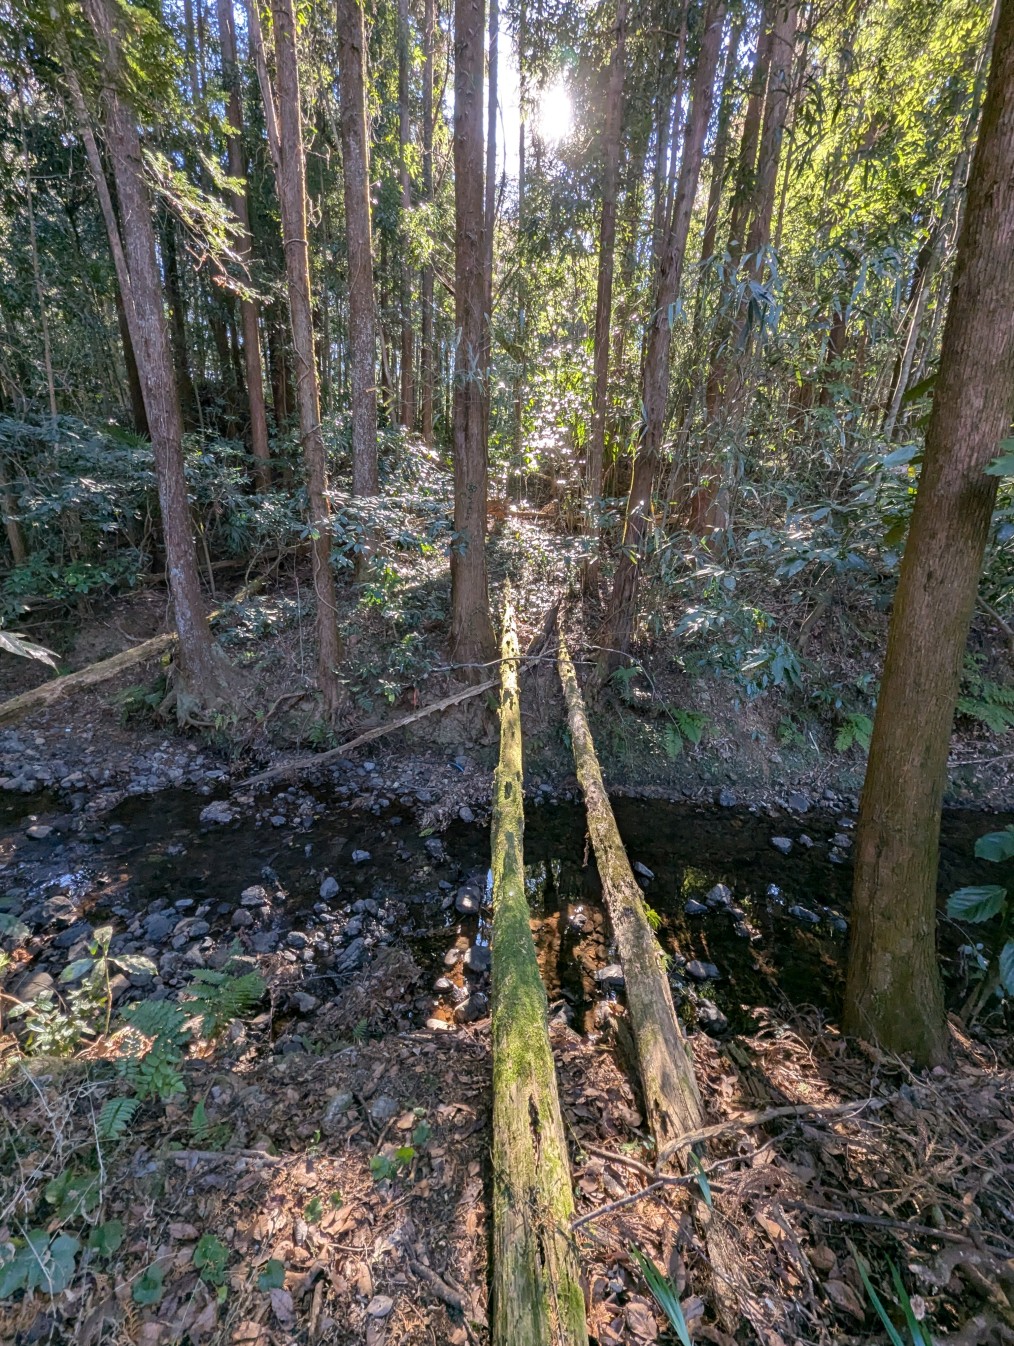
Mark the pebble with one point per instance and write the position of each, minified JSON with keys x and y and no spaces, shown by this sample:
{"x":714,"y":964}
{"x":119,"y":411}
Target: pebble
{"x":241,"y":918}
{"x":477,"y":958}
{"x":466,"y":815}
{"x":719,"y":896}
{"x":783,"y":844}
{"x":382,"y":1109}
{"x":334,"y":1113}
{"x":727,"y":799}
{"x":329,"y":889}
{"x":467,"y":901}
{"x":694,"y":908}
{"x":805,"y":915}
{"x":254,"y":896}
{"x":702,"y":971}
{"x":360,"y":857}
{"x":806,"y":841}
{"x":295,"y":939}
{"x":303,"y":1002}
{"x":642,"y":869}
{"x":39,"y":831}
{"x":612,"y":975}
{"x":217,"y":812}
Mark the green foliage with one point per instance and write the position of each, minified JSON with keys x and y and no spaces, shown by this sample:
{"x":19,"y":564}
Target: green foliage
{"x":208,"y":1135}
{"x":147,"y":1289}
{"x":153,"y":1048}
{"x":106,"y":1239}
{"x":984,"y":902}
{"x":12,"y":643}
{"x":210,"y":1259}
{"x":272,"y":1275}
{"x":313,"y":1210}
{"x":220,"y":998}
{"x":855,"y":728}
{"x":387,"y":1166}
{"x":991,"y":703}
{"x":40,"y":1261}
{"x":664,"y":1294}
{"x":918,"y":1335}
{"x":73,"y":1194}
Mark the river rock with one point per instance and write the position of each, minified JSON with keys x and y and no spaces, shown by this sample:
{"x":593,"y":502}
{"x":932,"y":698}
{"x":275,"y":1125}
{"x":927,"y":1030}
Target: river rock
{"x":158,"y":927}
{"x":477,"y":958}
{"x":468,"y":900}
{"x":254,"y":896}
{"x":329,"y":889}
{"x":476,"y":1006}
{"x":719,"y":896}
{"x":217,"y":812}
{"x":360,"y":857}
{"x":466,"y":815}
{"x":241,"y":919}
{"x":782,"y":844}
{"x":382,"y":1109}
{"x":805,"y":915}
{"x":39,"y":831}
{"x":702,"y":971}
{"x":642,"y":870}
{"x":611,"y":975}
{"x":694,"y":908}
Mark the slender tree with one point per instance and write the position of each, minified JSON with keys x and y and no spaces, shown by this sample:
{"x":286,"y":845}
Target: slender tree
{"x":893,"y":992}
{"x":619,"y":626}
{"x":249,"y":307}
{"x":204,"y":676}
{"x":426,"y":354}
{"x":359,"y":244}
{"x":292,"y":204}
{"x":407,"y":399}
{"x":472,"y":638}
{"x":611,"y":132}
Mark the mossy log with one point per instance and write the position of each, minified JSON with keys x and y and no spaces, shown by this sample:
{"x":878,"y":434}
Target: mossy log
{"x":669,"y":1089}
{"x":537,"y":1299}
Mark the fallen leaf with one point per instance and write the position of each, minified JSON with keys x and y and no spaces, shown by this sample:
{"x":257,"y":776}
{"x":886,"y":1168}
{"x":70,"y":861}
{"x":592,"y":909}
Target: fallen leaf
{"x":842,"y":1296}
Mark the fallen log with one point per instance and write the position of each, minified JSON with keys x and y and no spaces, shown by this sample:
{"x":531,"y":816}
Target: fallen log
{"x":672,"y":1100}
{"x":308,"y":761}
{"x":48,"y":692}
{"x":537,"y":1298}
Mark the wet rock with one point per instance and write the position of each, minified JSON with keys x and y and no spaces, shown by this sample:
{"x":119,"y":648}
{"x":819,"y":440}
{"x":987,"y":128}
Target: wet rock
{"x":382,"y":1109}
{"x":782,"y":844}
{"x":477,"y":958}
{"x":217,"y":812}
{"x":694,"y":908}
{"x":333,"y":1119}
{"x":702,"y":971}
{"x":711,"y":1018}
{"x":158,"y":928}
{"x":329,"y":889}
{"x":797,"y":802}
{"x":435,"y":848}
{"x":443,"y":985}
{"x":727,"y":799}
{"x":476,"y":1006}
{"x":611,"y":975}
{"x":642,"y":870}
{"x":466,"y":815}
{"x":838,"y":923}
{"x":452,"y":957}
{"x":352,"y":958}
{"x":806,"y":841}
{"x":31,"y":986}
{"x":39,"y":831}
{"x":804,"y":914}
{"x":468,"y":900}
{"x":578,"y":919}
{"x":295,"y":939}
{"x":719,"y":896}
{"x":360,"y":857}
{"x":241,"y":919}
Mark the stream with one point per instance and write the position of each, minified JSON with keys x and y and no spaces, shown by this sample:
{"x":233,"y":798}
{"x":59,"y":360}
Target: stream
{"x":327,"y":881}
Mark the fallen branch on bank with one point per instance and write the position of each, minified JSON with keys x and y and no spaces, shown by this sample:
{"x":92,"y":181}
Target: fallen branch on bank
{"x":537,"y":1297}
{"x":668,"y":1082}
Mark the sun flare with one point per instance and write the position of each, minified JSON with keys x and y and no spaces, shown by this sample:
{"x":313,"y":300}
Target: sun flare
{"x":555,"y":115}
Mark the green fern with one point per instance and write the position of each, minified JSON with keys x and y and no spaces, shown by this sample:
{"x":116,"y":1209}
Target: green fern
{"x":154,"y":1043}
{"x":115,"y":1116}
{"x":991,"y":704}
{"x":219,"y":998}
{"x":855,"y":728}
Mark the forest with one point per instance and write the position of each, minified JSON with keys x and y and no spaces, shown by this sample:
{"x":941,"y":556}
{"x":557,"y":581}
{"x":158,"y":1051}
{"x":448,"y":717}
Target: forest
{"x":506,"y":672}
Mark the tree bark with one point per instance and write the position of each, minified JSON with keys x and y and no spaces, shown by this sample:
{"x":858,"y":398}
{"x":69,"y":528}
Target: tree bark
{"x":292,"y":203}
{"x":249,"y":307}
{"x":12,"y":525}
{"x":407,"y":401}
{"x":138,"y":416}
{"x":621,"y":617}
{"x":893,"y":990}
{"x":721,"y":150}
{"x":204,"y":674}
{"x":426,"y":361}
{"x":611,"y":133}
{"x":359,"y":243}
{"x":537,"y":1298}
{"x":472,"y":639}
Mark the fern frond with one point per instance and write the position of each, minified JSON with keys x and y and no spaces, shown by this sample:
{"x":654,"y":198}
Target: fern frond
{"x":219,"y":998}
{"x":115,"y":1116}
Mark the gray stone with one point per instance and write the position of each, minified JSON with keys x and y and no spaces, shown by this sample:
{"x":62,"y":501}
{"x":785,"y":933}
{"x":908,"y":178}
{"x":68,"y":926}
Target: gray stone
{"x":797,"y":802}
{"x":217,"y":812}
{"x":702,"y":971}
{"x":158,"y":927}
{"x":66,"y":939}
{"x":254,"y":896}
{"x":805,"y":915}
{"x":468,"y":900}
{"x":438,"y":1025}
{"x":241,"y":919}
{"x":719,"y":896}
{"x":841,"y":839}
{"x":352,"y":958}
{"x":382,"y":1109}
{"x":476,"y":1006}
{"x":442,"y":985}
{"x":360,"y":857}
{"x":466,"y":815}
{"x":334,"y":1114}
{"x":39,"y":831}
{"x":610,"y":976}
{"x":379,"y":1306}
{"x":295,"y":939}
{"x":727,"y":799}
{"x":695,"y":908}
{"x":452,"y":957}
{"x":329,"y":889}
{"x":806,"y":841}
{"x":32,"y":985}
{"x":477,"y":958}
{"x":711,"y":1018}
{"x":304,"y":1003}
{"x":783,"y":844}
{"x":642,"y":870}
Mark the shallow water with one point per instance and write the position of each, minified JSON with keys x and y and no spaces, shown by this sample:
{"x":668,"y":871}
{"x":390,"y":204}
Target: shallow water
{"x":782,"y":942}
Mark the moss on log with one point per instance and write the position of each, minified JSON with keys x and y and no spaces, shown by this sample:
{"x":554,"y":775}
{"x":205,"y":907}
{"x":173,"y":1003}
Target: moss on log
{"x":536,"y":1286}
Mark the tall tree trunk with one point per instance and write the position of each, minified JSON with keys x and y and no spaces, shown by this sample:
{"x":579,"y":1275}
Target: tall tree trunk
{"x":746,"y":162}
{"x":721,"y":151}
{"x":249,"y":308}
{"x":138,"y":415}
{"x":186,"y":392}
{"x":203,"y":673}
{"x":472,"y":639}
{"x":359,"y":244}
{"x":12,"y":525}
{"x":521,"y":332}
{"x":776,"y":106}
{"x":40,"y":294}
{"x":426,"y":371}
{"x":489,"y":207}
{"x":893,"y":991}
{"x":611,"y":131}
{"x":292,"y":203}
{"x":620,"y":619}
{"x":407,"y":415}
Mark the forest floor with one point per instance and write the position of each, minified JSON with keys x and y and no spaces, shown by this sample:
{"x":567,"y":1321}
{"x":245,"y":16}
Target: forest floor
{"x":322,"y":1176}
